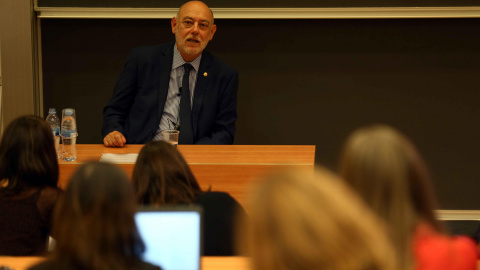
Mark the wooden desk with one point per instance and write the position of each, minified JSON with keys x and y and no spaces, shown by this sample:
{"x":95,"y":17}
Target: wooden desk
{"x":208,"y":263}
{"x":229,"y":168}
{"x":19,"y":263}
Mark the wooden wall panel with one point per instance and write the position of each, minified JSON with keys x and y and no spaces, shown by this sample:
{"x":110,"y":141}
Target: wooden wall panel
{"x":18,"y":59}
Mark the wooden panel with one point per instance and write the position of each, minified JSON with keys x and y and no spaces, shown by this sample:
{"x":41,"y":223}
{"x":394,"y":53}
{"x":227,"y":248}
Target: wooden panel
{"x":19,"y":263}
{"x":214,"y":154}
{"x":208,"y":263}
{"x":235,"y":179}
{"x":228,"y":168}
{"x":17,"y":59}
{"x":223,"y":263}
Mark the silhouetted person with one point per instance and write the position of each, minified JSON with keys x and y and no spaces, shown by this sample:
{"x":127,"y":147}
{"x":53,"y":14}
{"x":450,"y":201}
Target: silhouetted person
{"x":387,"y":171}
{"x":94,"y":223}
{"x":162,"y":177}
{"x":28,"y":186}
{"x":299,"y":220}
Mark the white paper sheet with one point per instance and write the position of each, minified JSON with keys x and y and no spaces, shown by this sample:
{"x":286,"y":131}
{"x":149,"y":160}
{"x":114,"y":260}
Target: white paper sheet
{"x":119,"y":158}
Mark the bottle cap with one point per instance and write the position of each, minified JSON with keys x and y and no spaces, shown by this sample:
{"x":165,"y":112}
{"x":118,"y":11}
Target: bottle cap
{"x":69,"y":112}
{"x":52,"y":111}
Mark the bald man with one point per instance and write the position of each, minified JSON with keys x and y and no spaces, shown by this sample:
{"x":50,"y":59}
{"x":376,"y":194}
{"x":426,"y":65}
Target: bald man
{"x":147,"y":96}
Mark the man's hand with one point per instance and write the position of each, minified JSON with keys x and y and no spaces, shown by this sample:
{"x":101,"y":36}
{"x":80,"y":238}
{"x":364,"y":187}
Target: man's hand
{"x":114,"y":139}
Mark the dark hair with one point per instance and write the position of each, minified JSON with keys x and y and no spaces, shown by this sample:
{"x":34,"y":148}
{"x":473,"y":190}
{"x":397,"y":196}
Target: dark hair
{"x":27,"y":155}
{"x":162,"y":176}
{"x":94,"y":221}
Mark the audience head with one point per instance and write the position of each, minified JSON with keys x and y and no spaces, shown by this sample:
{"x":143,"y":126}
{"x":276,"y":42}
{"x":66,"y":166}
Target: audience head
{"x":384,"y":167}
{"x":300,"y":221}
{"x":27,"y":155}
{"x":162,"y":176}
{"x":94,"y":221}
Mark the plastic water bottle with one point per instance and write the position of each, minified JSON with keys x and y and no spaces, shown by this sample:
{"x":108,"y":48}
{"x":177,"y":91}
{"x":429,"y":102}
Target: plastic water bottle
{"x":69,"y":135}
{"x":54,"y":122}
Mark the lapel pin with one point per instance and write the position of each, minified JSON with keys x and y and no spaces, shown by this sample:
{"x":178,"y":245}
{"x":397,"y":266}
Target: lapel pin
{"x":205,"y":74}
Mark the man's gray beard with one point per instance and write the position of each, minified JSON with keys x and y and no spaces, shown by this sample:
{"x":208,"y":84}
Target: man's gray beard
{"x":193,"y":51}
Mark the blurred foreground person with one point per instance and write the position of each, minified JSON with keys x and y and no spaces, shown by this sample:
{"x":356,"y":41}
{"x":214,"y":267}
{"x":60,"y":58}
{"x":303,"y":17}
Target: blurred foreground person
{"x":305,"y":221}
{"x":94,"y":223}
{"x":162,"y":177}
{"x":28,"y":186}
{"x":388,"y":172}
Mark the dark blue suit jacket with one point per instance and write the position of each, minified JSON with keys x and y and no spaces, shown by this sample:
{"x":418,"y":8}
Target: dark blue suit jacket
{"x":136,"y":106}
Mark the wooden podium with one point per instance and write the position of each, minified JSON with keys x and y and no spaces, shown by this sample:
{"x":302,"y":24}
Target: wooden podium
{"x":228,"y":168}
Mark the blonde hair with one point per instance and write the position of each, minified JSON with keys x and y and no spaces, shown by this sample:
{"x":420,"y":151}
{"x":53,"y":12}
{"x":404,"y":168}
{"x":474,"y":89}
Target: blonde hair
{"x":301,"y":221}
{"x":387,"y":171}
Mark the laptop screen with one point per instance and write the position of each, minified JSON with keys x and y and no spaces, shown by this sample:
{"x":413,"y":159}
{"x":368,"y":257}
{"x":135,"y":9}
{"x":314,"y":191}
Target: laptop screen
{"x":172,"y":236}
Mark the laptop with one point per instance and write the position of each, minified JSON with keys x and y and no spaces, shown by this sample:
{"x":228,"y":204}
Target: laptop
{"x":172,"y":236}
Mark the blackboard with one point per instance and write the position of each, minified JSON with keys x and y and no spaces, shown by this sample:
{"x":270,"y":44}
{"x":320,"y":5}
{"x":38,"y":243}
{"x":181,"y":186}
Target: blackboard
{"x":306,"y":82}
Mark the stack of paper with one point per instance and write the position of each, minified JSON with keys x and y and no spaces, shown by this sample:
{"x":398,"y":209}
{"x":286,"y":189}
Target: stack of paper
{"x":119,"y":158}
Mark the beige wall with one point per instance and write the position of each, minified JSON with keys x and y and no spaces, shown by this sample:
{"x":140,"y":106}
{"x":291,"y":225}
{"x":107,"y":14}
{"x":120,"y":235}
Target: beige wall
{"x":18,"y":60}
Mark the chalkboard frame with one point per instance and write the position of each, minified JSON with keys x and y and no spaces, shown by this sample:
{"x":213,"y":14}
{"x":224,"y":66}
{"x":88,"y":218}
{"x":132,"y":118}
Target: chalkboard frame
{"x":264,"y":13}
{"x":259,"y":3}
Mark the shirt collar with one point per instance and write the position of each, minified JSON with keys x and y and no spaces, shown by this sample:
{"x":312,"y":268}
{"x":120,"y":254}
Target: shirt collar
{"x":178,"y":60}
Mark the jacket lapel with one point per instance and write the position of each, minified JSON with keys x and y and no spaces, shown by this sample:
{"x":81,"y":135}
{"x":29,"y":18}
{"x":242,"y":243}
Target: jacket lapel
{"x":165,"y":63}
